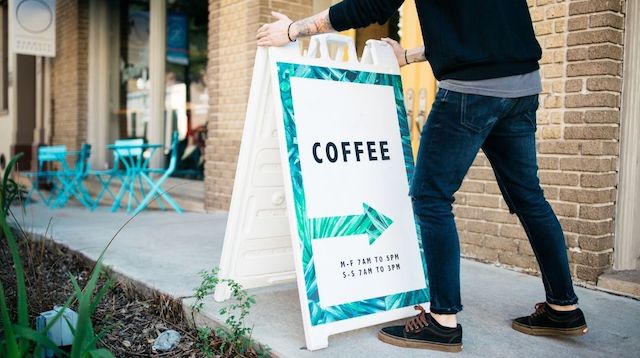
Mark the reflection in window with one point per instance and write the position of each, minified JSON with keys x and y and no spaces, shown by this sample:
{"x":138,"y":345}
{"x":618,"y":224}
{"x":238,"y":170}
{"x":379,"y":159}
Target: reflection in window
{"x":134,"y":69}
{"x":187,"y":98}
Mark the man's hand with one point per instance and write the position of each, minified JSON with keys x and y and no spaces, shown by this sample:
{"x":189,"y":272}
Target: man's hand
{"x":413,"y":55}
{"x":397,"y":50}
{"x":275,"y":33}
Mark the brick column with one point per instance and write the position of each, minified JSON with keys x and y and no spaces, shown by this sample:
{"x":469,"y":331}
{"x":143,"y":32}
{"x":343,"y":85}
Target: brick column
{"x":70,"y":73}
{"x":592,"y":124}
{"x":232,"y":45}
{"x":578,"y":129}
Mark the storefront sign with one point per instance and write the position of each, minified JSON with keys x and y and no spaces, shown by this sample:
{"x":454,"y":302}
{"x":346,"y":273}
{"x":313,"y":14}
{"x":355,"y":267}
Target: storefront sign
{"x":33,"y":27}
{"x":341,"y":133}
{"x":178,"y":39}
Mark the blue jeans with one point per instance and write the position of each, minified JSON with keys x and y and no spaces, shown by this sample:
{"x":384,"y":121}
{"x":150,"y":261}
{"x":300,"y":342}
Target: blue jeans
{"x":458,"y":126}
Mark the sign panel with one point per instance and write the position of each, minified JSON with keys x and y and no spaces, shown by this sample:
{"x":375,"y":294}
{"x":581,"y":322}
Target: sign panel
{"x":346,"y":159}
{"x":33,"y":27}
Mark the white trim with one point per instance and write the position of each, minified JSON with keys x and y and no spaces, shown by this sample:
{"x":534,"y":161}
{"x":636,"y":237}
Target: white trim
{"x":38,"y":128}
{"x":47,"y":106}
{"x":157,"y":55}
{"x":11,"y":129}
{"x":627,"y":241}
{"x":4,"y":46}
{"x":98,"y":86}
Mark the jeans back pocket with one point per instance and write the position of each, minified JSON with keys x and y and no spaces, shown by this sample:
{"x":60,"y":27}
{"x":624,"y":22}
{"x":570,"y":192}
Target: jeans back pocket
{"x":479,"y":113}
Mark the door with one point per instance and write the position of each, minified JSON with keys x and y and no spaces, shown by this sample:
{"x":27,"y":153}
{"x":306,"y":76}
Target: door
{"x":25,"y":110}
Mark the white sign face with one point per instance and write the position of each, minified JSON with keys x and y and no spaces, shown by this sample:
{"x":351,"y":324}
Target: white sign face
{"x":33,"y":27}
{"x":366,"y":167}
{"x":333,"y":206}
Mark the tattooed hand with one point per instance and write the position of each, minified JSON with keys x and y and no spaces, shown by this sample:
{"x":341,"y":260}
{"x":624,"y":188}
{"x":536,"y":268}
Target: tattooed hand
{"x":275,"y":33}
{"x":283,"y":31}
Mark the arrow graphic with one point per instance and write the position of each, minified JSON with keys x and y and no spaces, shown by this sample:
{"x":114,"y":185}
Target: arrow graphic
{"x":371,"y":222}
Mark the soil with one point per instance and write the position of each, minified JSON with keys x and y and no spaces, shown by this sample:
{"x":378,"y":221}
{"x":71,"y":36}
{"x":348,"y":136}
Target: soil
{"x":132,"y":319}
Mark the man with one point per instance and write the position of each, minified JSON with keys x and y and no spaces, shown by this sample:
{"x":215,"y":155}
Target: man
{"x":485,"y":55}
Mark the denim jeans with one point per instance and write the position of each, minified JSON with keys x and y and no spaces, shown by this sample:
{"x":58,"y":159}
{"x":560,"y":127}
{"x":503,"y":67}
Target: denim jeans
{"x":458,"y":126}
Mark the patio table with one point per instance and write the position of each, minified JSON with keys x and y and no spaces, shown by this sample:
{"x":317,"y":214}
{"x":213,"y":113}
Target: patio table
{"x":135,"y":162}
{"x":136,"y":177}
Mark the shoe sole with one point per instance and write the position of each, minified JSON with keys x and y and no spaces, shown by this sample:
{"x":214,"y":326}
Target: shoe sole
{"x":545,"y":331}
{"x":414,"y":343}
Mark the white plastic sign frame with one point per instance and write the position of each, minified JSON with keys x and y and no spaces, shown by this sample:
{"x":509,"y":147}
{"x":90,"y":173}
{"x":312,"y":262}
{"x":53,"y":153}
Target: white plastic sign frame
{"x":323,"y":179}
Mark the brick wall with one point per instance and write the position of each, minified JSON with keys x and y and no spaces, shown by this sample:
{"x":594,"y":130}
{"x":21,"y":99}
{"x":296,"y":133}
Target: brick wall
{"x":232,"y":45}
{"x":578,"y":128}
{"x":70,"y":73}
{"x":578,"y":131}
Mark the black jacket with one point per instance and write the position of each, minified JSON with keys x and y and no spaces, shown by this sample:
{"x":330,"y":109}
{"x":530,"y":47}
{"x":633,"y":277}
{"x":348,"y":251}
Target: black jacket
{"x":464,"y":39}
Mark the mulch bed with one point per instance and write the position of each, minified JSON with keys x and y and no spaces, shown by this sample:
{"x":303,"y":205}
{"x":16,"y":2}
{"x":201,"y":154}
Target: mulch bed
{"x":134,"y":320}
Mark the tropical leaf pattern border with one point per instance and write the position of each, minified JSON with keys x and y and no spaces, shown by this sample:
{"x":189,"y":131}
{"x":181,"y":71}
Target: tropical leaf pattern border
{"x":306,"y":231}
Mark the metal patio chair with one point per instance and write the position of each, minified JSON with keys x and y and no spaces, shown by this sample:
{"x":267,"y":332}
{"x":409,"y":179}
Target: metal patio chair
{"x":48,"y":158}
{"x":123,"y":150}
{"x":156,"y":191}
{"x":72,"y":180}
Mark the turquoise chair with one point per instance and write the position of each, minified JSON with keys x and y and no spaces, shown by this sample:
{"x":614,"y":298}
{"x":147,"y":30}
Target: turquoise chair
{"x":123,"y":150}
{"x":48,"y":158}
{"x":73,"y":180}
{"x":156,"y":191}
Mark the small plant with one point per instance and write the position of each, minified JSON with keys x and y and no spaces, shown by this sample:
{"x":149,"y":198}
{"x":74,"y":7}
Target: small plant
{"x":85,"y":338}
{"x":204,"y":342}
{"x":235,"y":338}
{"x":20,"y":340}
{"x":11,"y":191}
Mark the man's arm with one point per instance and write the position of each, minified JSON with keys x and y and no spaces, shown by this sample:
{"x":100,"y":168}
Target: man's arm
{"x":317,"y":24}
{"x":284,"y":30}
{"x":408,"y":56}
{"x":415,"y":55}
{"x":346,"y":14}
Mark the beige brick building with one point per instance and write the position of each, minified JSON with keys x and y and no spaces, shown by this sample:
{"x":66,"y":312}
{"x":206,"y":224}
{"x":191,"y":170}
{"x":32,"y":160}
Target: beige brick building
{"x":70,"y":74}
{"x":587,"y":122}
{"x":578,"y":143}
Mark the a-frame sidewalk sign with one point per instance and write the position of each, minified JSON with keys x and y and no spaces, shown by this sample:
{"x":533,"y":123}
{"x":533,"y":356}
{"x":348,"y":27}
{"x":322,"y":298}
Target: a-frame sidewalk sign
{"x":321,"y":192}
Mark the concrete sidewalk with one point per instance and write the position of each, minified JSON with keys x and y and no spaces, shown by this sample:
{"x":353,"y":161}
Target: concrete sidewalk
{"x":165,"y":251}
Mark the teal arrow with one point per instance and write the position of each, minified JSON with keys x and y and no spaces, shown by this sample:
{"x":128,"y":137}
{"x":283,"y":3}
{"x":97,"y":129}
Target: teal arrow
{"x":371,"y":222}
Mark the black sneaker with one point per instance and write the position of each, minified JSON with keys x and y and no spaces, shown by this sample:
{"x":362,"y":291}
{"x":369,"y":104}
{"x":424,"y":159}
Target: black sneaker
{"x":423,"y":331}
{"x":546,"y":321}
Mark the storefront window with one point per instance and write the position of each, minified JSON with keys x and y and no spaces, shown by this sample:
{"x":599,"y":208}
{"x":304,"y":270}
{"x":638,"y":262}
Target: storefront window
{"x":129,"y":62}
{"x":186,"y":96}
